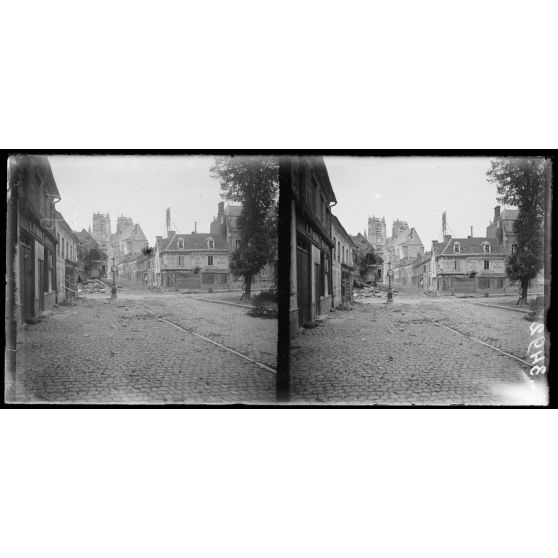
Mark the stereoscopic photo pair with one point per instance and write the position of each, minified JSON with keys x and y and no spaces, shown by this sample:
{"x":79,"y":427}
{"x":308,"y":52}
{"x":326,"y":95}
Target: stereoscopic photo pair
{"x":360,"y":279}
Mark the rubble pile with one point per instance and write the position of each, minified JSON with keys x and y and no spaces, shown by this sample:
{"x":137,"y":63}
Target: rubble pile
{"x":363,"y":290}
{"x":93,"y":286}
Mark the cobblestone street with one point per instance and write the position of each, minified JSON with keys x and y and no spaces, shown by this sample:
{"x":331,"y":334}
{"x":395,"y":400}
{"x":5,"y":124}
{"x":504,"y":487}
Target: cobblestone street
{"x":402,"y":354}
{"x":129,"y":351}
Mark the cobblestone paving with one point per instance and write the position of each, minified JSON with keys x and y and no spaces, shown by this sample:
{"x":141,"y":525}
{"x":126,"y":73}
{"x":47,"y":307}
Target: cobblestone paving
{"x":103,"y":351}
{"x":394,"y":355}
{"x":223,"y":323}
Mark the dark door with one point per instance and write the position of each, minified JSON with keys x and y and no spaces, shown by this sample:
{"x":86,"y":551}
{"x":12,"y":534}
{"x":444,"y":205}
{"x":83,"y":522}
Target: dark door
{"x":27,"y":282}
{"x":302,"y":288}
{"x":317,"y":286}
{"x":41,"y":285}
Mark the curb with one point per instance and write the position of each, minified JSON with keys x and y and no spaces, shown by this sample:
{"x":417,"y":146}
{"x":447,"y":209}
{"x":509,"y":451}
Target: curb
{"x":503,"y":307}
{"x":225,"y":302}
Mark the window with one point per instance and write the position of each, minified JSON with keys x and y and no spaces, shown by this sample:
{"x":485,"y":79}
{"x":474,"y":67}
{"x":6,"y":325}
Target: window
{"x":58,"y":246}
{"x":180,"y":243}
{"x":210,"y":243}
{"x":457,"y":248}
{"x":62,"y":247}
{"x":486,"y":264}
{"x":486,"y":248}
{"x":456,"y":265}
{"x":180,"y":261}
{"x":209,"y":260}
{"x":338,"y":251}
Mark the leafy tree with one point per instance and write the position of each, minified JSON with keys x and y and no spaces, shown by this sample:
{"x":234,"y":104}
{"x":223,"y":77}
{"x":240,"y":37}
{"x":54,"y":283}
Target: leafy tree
{"x":254,"y":183}
{"x":520,"y":182}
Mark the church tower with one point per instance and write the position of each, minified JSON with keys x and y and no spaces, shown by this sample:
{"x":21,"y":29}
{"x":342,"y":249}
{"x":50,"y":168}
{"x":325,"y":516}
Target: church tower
{"x":377,"y":233}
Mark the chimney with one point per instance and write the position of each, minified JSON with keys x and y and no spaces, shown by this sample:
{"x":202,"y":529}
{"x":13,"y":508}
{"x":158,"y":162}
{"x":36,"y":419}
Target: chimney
{"x":170,"y":233}
{"x":195,"y":227}
{"x":496,"y":212}
{"x":447,"y":238}
{"x":221,"y":208}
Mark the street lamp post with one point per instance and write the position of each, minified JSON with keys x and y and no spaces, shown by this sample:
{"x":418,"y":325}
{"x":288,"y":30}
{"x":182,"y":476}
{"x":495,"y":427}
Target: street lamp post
{"x":390,"y":292}
{"x":113,"y":289}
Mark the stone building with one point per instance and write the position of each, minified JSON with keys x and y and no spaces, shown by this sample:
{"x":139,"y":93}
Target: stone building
{"x":32,"y":216}
{"x":401,"y":251}
{"x":101,"y":230}
{"x":130,"y":240}
{"x":66,"y":259}
{"x":377,"y":233}
{"x":501,"y":229}
{"x":422,"y":276}
{"x":367,"y":262}
{"x":225,"y":226}
{"x":397,"y":227}
{"x":342,"y":265}
{"x":306,"y":183}
{"x":197,"y":261}
{"x":92,"y":261}
{"x":123,"y":223}
{"x":472,"y":265}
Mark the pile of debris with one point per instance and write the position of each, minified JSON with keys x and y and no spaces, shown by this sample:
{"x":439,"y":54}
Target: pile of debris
{"x":365,"y":290}
{"x":93,"y":286}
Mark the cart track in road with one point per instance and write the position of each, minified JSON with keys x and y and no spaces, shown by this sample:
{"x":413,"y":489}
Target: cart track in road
{"x":524,"y":375}
{"x":220,"y":345}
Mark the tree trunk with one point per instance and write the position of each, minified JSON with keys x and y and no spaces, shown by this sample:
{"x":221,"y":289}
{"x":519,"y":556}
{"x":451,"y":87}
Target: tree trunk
{"x":524,"y":287}
{"x":247,"y":295}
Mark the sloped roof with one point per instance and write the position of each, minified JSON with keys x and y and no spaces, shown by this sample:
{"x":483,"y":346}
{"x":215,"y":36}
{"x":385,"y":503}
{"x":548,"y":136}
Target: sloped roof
{"x":337,"y":223}
{"x":468,"y":246}
{"x":63,"y":223}
{"x":84,"y":236}
{"x":408,"y":236}
{"x":194,"y":241}
{"x":41,"y":166}
{"x":133,"y":232}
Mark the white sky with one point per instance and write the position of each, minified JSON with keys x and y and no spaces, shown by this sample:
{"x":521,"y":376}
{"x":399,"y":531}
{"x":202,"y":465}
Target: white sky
{"x":413,"y":189}
{"x":416,"y":190}
{"x":140,"y":187}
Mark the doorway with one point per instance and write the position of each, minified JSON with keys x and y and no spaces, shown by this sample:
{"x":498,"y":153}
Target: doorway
{"x":317,"y":287}
{"x":27,"y":282}
{"x":304,"y":297}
